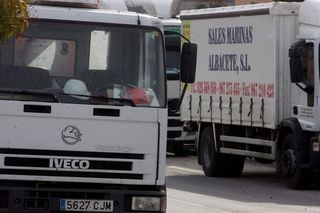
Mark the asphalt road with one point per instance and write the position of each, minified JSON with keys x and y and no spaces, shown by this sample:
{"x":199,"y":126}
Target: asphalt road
{"x":256,"y":191}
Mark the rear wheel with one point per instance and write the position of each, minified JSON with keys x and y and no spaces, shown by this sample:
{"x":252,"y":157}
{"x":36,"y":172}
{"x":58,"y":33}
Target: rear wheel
{"x":289,"y":166}
{"x":215,"y":164}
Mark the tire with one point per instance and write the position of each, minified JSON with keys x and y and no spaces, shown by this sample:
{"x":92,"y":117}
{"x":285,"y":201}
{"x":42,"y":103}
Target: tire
{"x":216,"y":164}
{"x":289,"y":166}
{"x":235,"y":165}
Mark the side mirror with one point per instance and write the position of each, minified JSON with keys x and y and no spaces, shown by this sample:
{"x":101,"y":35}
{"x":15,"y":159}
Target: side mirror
{"x":188,"y":63}
{"x":295,"y":54}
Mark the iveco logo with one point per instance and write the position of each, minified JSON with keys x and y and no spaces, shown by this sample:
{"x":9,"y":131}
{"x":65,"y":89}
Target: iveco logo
{"x":71,"y":135}
{"x":68,"y":163}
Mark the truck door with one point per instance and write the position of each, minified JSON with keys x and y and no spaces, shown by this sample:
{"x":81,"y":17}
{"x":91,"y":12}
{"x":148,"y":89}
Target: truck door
{"x":302,"y":70}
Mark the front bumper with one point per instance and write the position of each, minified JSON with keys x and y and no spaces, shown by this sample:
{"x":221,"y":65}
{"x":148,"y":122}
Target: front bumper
{"x":31,"y":197}
{"x":314,"y":154}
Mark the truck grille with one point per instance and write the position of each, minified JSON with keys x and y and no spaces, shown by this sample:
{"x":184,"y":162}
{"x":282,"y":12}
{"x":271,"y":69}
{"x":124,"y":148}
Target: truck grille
{"x":174,"y":134}
{"x":174,"y":126}
{"x":70,"y":164}
{"x":174,"y":123}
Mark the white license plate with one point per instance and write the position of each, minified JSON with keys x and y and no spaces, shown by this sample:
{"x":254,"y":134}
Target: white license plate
{"x":86,"y":205}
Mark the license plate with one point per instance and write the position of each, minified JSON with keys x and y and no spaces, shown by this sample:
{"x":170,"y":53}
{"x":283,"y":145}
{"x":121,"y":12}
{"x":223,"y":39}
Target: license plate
{"x":86,"y":205}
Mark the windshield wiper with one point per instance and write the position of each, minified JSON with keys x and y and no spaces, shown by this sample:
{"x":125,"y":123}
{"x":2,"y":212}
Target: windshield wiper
{"x":92,"y":99}
{"x":53,"y":97}
{"x":118,"y":101}
{"x":34,"y":94}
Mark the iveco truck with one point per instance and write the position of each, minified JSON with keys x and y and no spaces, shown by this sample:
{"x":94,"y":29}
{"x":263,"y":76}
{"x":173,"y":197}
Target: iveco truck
{"x":84,"y":110}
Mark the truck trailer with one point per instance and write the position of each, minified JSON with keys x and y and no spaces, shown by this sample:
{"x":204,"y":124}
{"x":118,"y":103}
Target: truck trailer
{"x":84,"y":110}
{"x":256,"y":92}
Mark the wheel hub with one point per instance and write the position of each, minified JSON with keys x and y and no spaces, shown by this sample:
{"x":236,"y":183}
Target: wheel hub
{"x":288,"y":162}
{"x":207,"y":154}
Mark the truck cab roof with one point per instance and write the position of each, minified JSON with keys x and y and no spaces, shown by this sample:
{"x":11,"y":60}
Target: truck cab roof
{"x":91,"y":15}
{"x":309,"y":19}
{"x":275,"y":8}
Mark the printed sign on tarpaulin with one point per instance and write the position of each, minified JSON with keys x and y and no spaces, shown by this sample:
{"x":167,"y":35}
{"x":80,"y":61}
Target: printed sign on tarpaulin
{"x":234,"y":83}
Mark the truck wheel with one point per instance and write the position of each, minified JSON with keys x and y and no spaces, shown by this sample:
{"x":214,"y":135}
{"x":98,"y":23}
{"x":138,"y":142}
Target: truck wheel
{"x":216,"y":164}
{"x":289,"y":164}
{"x":235,"y":165}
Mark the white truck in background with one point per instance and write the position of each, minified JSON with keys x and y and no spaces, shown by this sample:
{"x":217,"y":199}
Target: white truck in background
{"x":257,"y":87}
{"x":84,"y":110}
{"x":179,"y":138}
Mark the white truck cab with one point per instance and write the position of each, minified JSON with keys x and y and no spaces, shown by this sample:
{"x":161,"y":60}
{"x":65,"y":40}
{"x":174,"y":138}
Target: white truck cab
{"x":179,"y":138}
{"x":83,"y":111}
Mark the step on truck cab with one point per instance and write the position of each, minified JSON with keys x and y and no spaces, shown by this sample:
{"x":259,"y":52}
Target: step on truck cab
{"x":256,"y":92}
{"x":83,"y":110}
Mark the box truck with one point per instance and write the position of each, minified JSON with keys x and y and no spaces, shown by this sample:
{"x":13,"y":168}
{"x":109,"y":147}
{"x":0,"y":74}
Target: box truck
{"x":256,"y":92}
{"x":84,"y":110}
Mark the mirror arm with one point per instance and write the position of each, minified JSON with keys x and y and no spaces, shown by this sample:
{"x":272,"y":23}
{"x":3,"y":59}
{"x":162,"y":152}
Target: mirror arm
{"x":180,"y":99}
{"x":307,"y":89}
{"x":176,"y":33}
{"x":300,"y":86}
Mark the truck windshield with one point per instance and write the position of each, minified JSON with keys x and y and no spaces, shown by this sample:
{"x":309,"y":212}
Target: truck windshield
{"x":173,"y":43}
{"x":85,"y":64}
{"x":173,"y":54}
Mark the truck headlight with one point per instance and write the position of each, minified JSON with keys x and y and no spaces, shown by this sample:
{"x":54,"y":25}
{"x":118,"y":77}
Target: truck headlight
{"x":147,"y":204}
{"x":315,"y":146}
{"x":315,"y":143}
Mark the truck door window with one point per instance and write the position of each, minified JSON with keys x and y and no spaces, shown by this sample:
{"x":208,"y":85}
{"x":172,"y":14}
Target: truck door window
{"x":150,"y":62}
{"x":173,"y":57}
